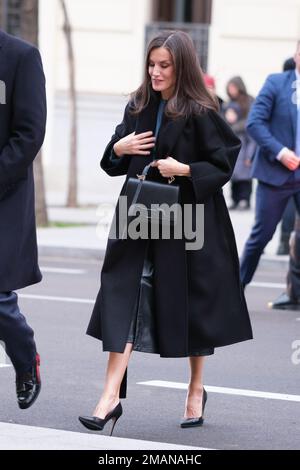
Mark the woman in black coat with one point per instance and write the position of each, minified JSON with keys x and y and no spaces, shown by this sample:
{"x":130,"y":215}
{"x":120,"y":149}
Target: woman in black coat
{"x":157,"y":295}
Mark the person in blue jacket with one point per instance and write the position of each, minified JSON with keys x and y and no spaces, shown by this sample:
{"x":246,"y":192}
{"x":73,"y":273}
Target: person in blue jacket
{"x":274,"y":123}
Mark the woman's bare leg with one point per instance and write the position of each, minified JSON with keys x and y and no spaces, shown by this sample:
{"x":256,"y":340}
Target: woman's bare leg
{"x":116,"y":366}
{"x":193,"y":404}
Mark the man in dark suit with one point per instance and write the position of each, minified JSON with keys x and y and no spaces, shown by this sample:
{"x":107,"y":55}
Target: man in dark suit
{"x":22,"y":129}
{"x":288,"y":218}
{"x":274,"y":123}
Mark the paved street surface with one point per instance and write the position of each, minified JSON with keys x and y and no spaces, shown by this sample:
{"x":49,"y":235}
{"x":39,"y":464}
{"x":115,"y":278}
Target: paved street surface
{"x":253,"y":387}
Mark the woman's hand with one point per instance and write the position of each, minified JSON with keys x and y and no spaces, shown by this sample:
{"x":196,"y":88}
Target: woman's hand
{"x":169,"y":167}
{"x":231,"y":116}
{"x":135,"y":144}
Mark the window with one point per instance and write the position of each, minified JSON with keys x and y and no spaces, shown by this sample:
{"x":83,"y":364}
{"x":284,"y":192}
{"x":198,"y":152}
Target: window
{"x":187,"y":11}
{"x":191,"y":16}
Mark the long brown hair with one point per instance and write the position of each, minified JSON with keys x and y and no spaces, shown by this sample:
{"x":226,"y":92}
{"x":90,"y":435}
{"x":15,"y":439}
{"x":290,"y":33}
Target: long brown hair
{"x":190,"y":95}
{"x":243,"y":99}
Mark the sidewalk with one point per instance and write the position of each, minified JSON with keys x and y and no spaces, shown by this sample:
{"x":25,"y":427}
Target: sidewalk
{"x":88,"y":238}
{"x":20,"y":437}
{"x":85,"y":240}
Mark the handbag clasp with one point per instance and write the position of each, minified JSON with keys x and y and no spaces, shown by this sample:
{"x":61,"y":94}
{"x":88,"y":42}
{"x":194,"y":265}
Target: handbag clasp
{"x":142,"y":177}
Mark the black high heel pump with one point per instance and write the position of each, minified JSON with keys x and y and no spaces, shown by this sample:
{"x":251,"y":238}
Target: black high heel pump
{"x":193,"y":422}
{"x":97,"y":424}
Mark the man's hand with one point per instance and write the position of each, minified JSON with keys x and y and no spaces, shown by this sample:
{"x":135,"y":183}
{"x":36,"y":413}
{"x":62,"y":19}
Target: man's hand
{"x":290,"y":160}
{"x":135,"y":144}
{"x":170,"y":167}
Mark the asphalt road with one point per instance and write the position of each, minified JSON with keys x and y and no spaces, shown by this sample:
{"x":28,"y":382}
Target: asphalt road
{"x":73,"y":367}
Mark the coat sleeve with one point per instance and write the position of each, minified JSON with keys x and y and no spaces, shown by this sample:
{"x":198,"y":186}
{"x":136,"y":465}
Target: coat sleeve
{"x":110,"y":162}
{"x":258,"y":124}
{"x":28,"y":119}
{"x":218,"y":151}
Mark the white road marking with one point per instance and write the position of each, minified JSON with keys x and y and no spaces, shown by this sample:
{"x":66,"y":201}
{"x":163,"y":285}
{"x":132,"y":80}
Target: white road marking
{"x":4,"y":361}
{"x":271,"y":285}
{"x":92,"y":301}
{"x":225,"y":390}
{"x":62,"y":270}
{"x":56,"y":299}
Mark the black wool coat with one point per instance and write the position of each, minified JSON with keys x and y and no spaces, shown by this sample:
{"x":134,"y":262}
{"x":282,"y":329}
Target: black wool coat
{"x":199,"y":302}
{"x":22,"y":129}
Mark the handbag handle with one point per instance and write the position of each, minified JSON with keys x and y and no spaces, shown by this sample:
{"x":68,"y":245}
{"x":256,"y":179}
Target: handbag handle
{"x":142,"y":177}
{"x":144,"y":174}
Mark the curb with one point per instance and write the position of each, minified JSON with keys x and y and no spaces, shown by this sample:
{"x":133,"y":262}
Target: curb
{"x":89,"y":254}
{"x":96,"y":254}
{"x":24,"y":437}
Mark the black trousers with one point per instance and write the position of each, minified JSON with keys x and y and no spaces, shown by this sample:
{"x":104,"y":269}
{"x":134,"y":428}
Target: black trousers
{"x":16,"y":333}
{"x":288,"y":218}
{"x":293,"y":276}
{"x":241,"y":190}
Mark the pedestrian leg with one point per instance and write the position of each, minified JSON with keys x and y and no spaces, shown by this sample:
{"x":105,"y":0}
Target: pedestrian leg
{"x":16,"y":334}
{"x":116,"y":368}
{"x":193,"y":404}
{"x":293,"y":276}
{"x":270,"y":204}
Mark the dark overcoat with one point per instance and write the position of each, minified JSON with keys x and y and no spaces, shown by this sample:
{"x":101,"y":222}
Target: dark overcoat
{"x":199,"y":302}
{"x":242,"y":169}
{"x":22,"y":129}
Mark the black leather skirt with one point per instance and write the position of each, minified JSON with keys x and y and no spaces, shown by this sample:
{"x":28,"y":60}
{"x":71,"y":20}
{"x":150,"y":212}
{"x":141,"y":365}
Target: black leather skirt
{"x":143,"y":328}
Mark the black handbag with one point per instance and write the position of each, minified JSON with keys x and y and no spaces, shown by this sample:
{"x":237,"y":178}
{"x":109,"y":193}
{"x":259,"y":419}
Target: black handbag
{"x":145,"y":196}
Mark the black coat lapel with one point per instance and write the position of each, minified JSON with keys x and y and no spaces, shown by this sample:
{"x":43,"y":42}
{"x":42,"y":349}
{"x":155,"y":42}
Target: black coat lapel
{"x":170,"y":131}
{"x":146,"y":120}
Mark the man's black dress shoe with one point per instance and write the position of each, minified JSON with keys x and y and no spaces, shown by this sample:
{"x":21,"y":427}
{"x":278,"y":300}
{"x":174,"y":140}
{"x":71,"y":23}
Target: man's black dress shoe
{"x":284,"y":302}
{"x":194,"y":422}
{"x":28,"y":385}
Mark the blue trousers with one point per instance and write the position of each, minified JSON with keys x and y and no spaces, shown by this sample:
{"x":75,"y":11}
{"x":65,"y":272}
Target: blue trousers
{"x":271,"y":202}
{"x":16,"y":333}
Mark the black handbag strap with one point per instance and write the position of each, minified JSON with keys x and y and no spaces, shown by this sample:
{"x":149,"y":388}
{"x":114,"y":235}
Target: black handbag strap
{"x":141,"y":177}
{"x":145,"y":171}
